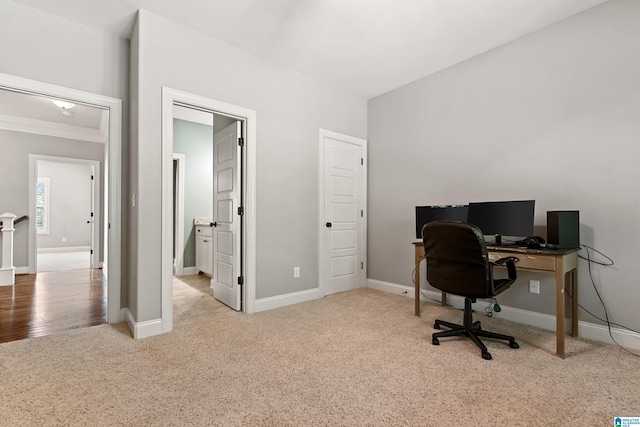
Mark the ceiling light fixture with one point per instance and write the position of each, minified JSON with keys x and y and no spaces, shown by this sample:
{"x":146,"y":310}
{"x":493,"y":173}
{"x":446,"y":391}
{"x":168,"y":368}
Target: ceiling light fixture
{"x":63,"y":104}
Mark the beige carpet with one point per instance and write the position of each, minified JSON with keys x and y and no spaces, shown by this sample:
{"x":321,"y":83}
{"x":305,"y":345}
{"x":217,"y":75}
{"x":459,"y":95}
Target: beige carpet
{"x":356,"y":358}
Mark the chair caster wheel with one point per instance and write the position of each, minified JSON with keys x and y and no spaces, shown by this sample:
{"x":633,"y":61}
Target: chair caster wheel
{"x":486,"y":355}
{"x":436,"y":326}
{"x":435,"y":341}
{"x":514,"y":344}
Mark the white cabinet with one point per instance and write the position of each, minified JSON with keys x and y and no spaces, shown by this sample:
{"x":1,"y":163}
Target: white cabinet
{"x":204,"y":249}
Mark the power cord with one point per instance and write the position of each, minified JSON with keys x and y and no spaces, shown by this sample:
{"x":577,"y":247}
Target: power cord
{"x":493,"y":303}
{"x":609,"y":323}
{"x":413,"y":279}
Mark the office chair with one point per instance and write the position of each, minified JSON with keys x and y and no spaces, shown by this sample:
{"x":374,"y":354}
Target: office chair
{"x":457,"y":263}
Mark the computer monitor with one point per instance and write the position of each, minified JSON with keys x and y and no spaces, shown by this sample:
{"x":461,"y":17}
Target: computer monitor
{"x":426,"y":214}
{"x":511,"y":218}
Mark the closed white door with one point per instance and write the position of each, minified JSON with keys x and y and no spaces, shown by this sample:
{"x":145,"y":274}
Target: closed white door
{"x":227,"y":217}
{"x":343,"y":216}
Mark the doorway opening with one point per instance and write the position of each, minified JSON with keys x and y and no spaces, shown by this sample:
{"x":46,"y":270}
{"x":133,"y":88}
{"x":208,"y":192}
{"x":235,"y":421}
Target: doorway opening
{"x":107,"y":137}
{"x":228,"y":192}
{"x":67,"y":213}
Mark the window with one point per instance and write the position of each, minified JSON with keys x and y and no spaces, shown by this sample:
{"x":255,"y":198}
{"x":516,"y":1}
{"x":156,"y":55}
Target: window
{"x":42,"y":205}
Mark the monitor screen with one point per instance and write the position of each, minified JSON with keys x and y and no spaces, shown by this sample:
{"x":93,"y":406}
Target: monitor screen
{"x":426,"y":214}
{"x":513,"y":218}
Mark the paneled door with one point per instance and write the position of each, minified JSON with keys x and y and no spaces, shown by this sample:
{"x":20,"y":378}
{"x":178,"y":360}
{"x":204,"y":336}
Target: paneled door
{"x":227,"y":279}
{"x":343,"y":226}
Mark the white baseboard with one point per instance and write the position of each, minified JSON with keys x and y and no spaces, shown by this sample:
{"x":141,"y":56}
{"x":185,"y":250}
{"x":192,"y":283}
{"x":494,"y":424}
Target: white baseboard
{"x":591,"y":331}
{"x":22,"y":270}
{"x":269,"y":303}
{"x":64,"y":249}
{"x":142,"y":329}
{"x":187,"y":271}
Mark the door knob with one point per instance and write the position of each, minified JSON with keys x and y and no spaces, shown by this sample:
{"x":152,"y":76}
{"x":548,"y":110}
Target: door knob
{"x":328,"y":225}
{"x":213,"y":224}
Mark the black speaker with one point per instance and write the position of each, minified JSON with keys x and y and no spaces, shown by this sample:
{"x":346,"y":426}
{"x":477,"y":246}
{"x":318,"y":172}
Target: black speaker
{"x":563,"y":229}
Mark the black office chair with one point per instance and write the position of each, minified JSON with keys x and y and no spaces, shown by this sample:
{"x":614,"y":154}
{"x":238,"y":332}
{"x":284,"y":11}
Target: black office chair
{"x":457,"y":263}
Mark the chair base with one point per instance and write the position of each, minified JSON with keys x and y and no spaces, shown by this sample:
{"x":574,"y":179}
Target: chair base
{"x":471,"y":330}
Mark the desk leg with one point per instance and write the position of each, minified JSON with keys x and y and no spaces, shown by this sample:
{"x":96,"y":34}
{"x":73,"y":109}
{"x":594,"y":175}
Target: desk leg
{"x":560,"y":278}
{"x":573,"y":276}
{"x":417,"y":287}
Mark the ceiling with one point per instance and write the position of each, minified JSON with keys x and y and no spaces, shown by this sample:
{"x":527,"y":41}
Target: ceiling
{"x":22,"y":112}
{"x":367,"y":47}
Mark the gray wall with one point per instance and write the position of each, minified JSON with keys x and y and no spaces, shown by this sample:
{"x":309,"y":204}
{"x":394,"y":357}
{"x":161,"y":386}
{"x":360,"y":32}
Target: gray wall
{"x":291,"y":108}
{"x":69,"y":205}
{"x":195,"y":141}
{"x":14,"y":171}
{"x":553,"y":116}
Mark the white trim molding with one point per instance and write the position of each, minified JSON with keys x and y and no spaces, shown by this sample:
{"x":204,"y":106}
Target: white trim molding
{"x":60,"y":130}
{"x":278,"y":301}
{"x":590,"y":331}
{"x":141,"y":330}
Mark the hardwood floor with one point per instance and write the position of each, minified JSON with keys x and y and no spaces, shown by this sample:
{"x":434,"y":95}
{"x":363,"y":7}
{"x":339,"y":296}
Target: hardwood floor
{"x":55,"y":301}
{"x":50,"y":302}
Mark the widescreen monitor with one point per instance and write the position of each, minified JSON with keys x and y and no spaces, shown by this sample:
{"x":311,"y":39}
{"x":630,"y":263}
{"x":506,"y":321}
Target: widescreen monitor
{"x":511,"y":218}
{"x":426,"y":214}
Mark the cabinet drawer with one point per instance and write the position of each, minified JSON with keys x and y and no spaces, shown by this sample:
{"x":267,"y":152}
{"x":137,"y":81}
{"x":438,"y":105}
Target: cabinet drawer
{"x":204,"y":231}
{"x":533,"y":262}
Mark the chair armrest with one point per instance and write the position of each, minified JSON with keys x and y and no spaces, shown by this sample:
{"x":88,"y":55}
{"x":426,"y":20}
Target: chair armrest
{"x":510,"y":262}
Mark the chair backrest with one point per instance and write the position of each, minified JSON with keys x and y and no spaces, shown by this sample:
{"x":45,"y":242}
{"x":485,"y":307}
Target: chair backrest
{"x":457,"y":259}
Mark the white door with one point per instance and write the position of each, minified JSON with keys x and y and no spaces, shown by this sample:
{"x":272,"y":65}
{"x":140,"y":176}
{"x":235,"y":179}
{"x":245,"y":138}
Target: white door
{"x":343,"y":217}
{"x":227,"y":277}
{"x":91,"y":221}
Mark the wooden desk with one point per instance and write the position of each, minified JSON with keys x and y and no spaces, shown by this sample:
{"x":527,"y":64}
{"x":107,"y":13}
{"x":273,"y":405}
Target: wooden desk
{"x":560,"y":263}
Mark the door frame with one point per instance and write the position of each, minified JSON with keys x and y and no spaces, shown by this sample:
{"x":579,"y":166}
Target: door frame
{"x":178,"y":238}
{"x":112,"y":170}
{"x":248,"y":117}
{"x":362,"y":143}
{"x":34,"y":165}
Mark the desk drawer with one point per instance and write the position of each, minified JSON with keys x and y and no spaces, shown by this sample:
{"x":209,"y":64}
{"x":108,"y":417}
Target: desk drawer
{"x":533,"y":262}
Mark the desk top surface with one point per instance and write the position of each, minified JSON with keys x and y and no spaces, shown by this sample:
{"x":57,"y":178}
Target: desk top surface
{"x":522,"y":250}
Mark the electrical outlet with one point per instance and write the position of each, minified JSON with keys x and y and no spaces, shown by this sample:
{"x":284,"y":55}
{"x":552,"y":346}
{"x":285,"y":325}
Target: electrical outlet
{"x":534,"y":286}
{"x":296,"y":272}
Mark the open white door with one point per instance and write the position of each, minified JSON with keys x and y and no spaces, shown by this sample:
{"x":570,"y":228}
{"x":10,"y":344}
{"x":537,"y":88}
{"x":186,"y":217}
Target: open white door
{"x":227,"y":277}
{"x":92,"y":263}
{"x":343,"y":238}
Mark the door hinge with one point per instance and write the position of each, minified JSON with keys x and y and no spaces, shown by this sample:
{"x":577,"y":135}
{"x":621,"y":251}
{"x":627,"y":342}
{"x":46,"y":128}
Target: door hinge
{"x":91,"y":214}
{"x":91,"y":177}
{"x":91,"y":252}
{"x":362,"y":161}
{"x":240,"y":280}
{"x":361,"y":265}
{"x":240,"y":210}
{"x":241,"y":141}
{"x":362,"y":213}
